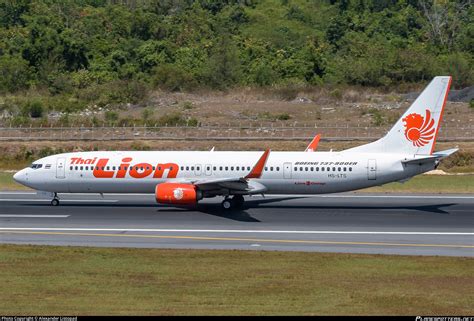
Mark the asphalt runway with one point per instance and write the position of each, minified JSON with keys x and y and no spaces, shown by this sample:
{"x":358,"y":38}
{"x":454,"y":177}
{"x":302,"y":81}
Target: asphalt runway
{"x":347,"y":223}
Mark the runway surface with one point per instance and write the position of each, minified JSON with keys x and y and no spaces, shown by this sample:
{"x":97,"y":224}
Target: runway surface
{"x":349,"y":223}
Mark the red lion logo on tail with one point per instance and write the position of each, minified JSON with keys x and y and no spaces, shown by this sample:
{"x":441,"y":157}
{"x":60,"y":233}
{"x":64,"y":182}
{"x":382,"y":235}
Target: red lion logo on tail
{"x":418,"y":129}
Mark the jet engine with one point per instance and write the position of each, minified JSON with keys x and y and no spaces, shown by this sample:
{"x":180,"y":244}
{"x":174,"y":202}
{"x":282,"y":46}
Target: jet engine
{"x":176,"y":193}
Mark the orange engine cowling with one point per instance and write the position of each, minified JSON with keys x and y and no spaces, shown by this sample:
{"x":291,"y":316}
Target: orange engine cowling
{"x":176,"y":193}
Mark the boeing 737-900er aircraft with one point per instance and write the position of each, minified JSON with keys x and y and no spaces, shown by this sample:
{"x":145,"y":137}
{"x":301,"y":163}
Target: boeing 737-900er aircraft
{"x":186,"y":177}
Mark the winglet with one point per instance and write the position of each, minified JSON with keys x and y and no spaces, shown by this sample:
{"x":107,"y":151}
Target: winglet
{"x":259,"y":166}
{"x":314,"y":144}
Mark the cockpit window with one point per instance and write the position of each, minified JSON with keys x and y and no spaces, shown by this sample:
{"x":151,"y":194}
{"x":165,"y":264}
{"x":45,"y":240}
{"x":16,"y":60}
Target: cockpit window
{"x":36,"y":166}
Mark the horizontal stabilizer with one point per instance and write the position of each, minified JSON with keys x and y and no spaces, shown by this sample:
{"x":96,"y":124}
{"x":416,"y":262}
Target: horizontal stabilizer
{"x":421,"y":159}
{"x":445,"y":153}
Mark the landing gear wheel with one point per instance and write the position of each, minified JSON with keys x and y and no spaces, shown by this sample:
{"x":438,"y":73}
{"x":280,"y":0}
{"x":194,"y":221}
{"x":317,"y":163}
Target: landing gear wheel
{"x":238,"y":201}
{"x":227,"y":204}
{"x":55,"y":202}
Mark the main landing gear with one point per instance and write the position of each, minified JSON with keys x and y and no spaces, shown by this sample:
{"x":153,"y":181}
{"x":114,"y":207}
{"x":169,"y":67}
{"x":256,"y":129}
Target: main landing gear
{"x":235,"y":202}
{"x":55,"y":200}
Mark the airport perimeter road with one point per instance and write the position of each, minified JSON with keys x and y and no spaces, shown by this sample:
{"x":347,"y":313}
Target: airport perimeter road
{"x":348,"y":223}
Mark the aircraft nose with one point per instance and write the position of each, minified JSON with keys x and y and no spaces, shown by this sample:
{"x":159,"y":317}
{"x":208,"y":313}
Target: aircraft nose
{"x":20,"y":177}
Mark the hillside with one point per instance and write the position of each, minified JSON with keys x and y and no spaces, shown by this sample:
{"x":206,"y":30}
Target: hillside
{"x":70,"y":55}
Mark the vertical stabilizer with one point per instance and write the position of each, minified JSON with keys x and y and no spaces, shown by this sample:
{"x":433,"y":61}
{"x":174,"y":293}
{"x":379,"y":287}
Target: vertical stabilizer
{"x":417,"y":130}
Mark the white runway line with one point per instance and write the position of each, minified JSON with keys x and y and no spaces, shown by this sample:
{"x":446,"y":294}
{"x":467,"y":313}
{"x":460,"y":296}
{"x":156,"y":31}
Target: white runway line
{"x":33,"y":216}
{"x":230,"y":231}
{"x":18,"y":193}
{"x":47,"y":200}
{"x":429,"y":196}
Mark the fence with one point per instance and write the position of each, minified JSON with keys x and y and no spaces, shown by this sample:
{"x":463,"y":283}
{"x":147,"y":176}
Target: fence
{"x":208,"y":132}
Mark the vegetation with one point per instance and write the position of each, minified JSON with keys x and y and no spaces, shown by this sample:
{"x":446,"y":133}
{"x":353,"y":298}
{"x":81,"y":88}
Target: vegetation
{"x":436,"y":184}
{"x":67,"y":55}
{"x":190,"y":282}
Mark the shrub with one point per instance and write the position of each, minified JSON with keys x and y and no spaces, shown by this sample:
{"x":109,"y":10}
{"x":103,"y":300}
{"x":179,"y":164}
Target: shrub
{"x":283,"y":116}
{"x":33,"y":109}
{"x":173,"y":119}
{"x":172,"y":78}
{"x":111,"y":117}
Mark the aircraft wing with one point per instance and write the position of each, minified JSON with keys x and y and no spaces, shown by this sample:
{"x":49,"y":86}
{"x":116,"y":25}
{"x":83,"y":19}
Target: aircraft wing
{"x":241,"y":185}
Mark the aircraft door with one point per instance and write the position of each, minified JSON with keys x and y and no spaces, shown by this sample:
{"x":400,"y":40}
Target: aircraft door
{"x":287,"y":170}
{"x":372,"y":169}
{"x":60,"y":168}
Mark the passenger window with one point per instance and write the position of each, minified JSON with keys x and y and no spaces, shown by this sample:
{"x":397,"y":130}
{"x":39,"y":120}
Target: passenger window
{"x":192,"y":168}
{"x":350,"y":169}
{"x":328,"y":169}
{"x":81,"y":168}
{"x":70,"y":168}
{"x":322,"y":169}
{"x":76,"y":168}
{"x":344,"y":169}
{"x":271,"y":168}
{"x":214,"y":168}
{"x":306,"y":169}
{"x":187,"y":168}
{"x":226,"y":168}
{"x":296,"y":169}
{"x":301,"y":169}
{"x":248,"y":168}
{"x":338,"y":169}
{"x":278,"y":169}
{"x":208,"y":168}
{"x":220,"y":168}
{"x":232,"y":168}
{"x":317,"y":169}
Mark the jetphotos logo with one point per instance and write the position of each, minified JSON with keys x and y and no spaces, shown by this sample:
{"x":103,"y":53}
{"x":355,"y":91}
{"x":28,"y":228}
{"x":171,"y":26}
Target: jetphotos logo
{"x":418,"y":129}
{"x":103,"y":169}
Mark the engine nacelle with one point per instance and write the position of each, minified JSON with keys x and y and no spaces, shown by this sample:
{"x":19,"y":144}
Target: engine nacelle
{"x":176,"y":193}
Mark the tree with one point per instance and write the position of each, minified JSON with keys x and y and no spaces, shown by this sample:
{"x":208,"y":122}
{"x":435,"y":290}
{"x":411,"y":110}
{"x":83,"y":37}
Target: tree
{"x":15,"y":73}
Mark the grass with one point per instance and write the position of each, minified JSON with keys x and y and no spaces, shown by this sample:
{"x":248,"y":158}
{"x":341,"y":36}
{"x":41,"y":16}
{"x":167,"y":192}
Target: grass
{"x":8,"y":184}
{"x":89,"y":281}
{"x":429,"y":184}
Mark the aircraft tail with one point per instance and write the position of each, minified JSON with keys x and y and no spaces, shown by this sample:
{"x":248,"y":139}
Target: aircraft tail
{"x":417,"y":130}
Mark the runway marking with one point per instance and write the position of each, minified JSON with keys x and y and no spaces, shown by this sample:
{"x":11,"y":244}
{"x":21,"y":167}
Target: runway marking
{"x":197,"y":238}
{"x":47,"y":200}
{"x":230,"y":231}
{"x":34,"y":216}
{"x":441,"y":196}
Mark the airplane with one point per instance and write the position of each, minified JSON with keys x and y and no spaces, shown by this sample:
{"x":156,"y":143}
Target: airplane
{"x":313,"y":145}
{"x":186,"y":177}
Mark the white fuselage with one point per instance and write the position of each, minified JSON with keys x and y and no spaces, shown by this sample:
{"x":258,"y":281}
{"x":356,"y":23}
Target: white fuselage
{"x":284,"y":172}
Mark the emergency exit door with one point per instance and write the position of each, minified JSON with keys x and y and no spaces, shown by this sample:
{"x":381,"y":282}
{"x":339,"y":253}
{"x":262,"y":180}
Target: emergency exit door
{"x":372,"y":169}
